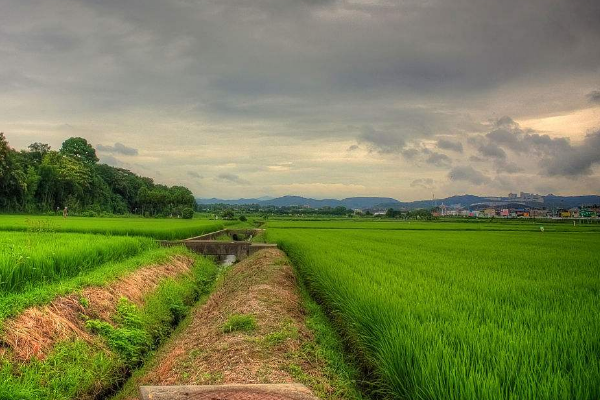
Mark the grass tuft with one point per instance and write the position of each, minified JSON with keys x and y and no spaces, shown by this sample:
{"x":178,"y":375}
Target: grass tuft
{"x":239,"y":323}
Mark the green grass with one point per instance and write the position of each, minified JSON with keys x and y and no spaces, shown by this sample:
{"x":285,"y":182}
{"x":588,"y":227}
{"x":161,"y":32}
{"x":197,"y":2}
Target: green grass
{"x":30,"y":259}
{"x":447,"y":225}
{"x":165,"y":229}
{"x":459,"y":314}
{"x":76,"y":369}
{"x":239,"y":323}
{"x":12,"y":304}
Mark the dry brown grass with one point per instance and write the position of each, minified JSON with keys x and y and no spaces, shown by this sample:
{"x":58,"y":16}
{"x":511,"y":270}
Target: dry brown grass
{"x":35,"y":332}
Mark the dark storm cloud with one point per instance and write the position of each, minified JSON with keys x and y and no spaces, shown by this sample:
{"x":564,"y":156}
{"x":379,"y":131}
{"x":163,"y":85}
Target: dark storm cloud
{"x":232,"y":178}
{"x":575,"y":160}
{"x":118,"y":148}
{"x":233,"y":57}
{"x":450,"y":145}
{"x":594,"y":96}
{"x":468,"y":174}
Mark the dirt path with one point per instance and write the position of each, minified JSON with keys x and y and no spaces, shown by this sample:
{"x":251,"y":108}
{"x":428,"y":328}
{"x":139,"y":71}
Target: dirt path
{"x":276,"y":350}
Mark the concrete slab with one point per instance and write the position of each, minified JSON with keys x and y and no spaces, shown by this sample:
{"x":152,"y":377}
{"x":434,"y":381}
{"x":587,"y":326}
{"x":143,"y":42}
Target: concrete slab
{"x":228,"y":392}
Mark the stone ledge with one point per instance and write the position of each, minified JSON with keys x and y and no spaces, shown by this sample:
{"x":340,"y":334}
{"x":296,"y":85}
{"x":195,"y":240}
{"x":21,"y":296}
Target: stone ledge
{"x":228,"y":392}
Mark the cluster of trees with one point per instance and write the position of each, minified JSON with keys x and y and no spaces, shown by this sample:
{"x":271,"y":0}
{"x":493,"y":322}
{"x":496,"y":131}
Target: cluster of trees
{"x":278,"y":210}
{"x":43,"y":180}
{"x":420,"y":213}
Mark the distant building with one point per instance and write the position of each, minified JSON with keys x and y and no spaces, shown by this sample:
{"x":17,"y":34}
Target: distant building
{"x":512,"y":195}
{"x":489,"y":212}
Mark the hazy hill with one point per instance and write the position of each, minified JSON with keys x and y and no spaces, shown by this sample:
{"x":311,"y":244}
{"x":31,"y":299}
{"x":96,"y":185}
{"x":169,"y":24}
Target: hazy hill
{"x":550,"y":201}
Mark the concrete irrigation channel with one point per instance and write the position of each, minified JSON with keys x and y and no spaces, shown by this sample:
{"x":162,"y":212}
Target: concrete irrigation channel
{"x":239,"y":246}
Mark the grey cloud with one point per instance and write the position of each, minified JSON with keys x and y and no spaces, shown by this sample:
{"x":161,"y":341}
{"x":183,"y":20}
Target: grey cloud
{"x":491,"y":150}
{"x":232,"y":178}
{"x":438,"y":159}
{"x":594,"y":96}
{"x":410,"y":153}
{"x":118,"y":148}
{"x":112,"y":161}
{"x":383,"y":142}
{"x":298,"y":70}
{"x":426,"y":183}
{"x":509,"y":134}
{"x":194,"y":174}
{"x":353,"y":148}
{"x":450,"y":145}
{"x":575,"y":161}
{"x":468,"y":174}
{"x":507,"y":167}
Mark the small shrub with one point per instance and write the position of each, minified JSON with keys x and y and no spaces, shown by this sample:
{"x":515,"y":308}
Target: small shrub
{"x":187,"y":213}
{"x":239,"y":323}
{"x":129,"y":340}
{"x":243,"y":218}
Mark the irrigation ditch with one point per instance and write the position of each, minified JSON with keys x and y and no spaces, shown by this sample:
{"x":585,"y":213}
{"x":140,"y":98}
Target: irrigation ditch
{"x":245,"y":330}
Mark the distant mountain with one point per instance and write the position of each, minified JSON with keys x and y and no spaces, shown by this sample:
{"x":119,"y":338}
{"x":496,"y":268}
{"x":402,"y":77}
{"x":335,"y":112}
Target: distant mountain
{"x":570,"y":201}
{"x":288,"y":201}
{"x":382,"y":203}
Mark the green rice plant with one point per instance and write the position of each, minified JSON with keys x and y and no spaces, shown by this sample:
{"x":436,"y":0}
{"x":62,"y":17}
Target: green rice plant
{"x":455,"y":224}
{"x":12,"y":304}
{"x":457,"y":314}
{"x":164,"y":229}
{"x":29,"y":259}
{"x":239,"y":323}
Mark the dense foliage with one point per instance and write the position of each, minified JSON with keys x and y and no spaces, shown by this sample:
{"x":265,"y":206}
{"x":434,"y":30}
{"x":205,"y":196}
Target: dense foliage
{"x":441,"y":314}
{"x":41,"y":180}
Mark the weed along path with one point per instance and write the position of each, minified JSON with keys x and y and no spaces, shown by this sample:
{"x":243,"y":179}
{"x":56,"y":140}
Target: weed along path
{"x":256,"y":328}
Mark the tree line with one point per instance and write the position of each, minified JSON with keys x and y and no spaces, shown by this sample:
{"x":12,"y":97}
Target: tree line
{"x":40,"y":179}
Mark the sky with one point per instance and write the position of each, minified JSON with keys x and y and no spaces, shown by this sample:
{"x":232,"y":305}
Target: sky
{"x":320,"y":98}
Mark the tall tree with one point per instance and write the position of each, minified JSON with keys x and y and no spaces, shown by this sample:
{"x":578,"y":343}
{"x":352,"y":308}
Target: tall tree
{"x":79,"y":149}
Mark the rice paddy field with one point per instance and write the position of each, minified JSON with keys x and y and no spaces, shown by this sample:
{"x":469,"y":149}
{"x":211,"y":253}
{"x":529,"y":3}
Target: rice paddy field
{"x":458,"y":310}
{"x":165,"y":229}
{"x":466,"y":224}
{"x":30,"y":259}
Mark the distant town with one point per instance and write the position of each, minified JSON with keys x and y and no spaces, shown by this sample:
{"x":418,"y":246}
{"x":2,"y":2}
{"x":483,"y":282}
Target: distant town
{"x":521,"y":205}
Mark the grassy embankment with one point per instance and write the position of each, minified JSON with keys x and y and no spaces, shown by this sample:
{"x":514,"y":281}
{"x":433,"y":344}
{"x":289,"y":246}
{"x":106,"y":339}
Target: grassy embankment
{"x":36,"y":267}
{"x":463,"y":315}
